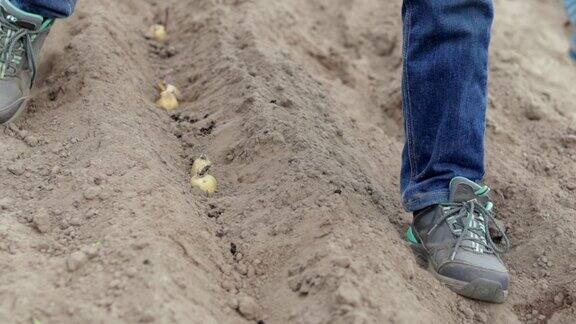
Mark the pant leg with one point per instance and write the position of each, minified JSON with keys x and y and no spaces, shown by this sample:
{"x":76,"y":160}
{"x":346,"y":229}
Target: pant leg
{"x":570,"y":6}
{"x":444,"y":96}
{"x":47,"y":8}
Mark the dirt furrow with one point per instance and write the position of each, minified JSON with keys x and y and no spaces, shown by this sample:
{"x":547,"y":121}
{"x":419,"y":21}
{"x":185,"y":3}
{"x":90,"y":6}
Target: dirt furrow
{"x":96,"y":206}
{"x":309,"y":123}
{"x":298,"y":200}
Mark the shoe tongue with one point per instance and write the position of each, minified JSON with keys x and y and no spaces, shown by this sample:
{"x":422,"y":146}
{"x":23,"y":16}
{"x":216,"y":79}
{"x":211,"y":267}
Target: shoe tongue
{"x":20,"y":17}
{"x":462,"y":189}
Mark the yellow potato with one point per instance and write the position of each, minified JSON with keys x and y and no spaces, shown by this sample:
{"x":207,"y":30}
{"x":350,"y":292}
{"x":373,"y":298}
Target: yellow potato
{"x":169,"y":96}
{"x":172,"y":89}
{"x":206,"y":183}
{"x":157,"y":32}
{"x":201,"y":166}
{"x":167,"y":101}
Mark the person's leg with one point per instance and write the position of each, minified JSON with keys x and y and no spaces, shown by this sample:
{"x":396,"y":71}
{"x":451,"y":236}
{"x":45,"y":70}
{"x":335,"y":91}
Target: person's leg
{"x":47,"y":8}
{"x":570,"y":6}
{"x":444,"y":91}
{"x":445,"y":81}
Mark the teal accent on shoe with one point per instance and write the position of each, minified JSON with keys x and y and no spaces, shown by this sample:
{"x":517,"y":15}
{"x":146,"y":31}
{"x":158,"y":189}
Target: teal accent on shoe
{"x":489,"y":206}
{"x":47,"y":24}
{"x":482,"y":191}
{"x":410,"y":236}
{"x":19,"y":11}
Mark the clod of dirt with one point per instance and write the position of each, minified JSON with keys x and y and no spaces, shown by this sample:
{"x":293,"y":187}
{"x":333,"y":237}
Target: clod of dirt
{"x":229,"y":286}
{"x":466,"y":310}
{"x":41,"y":220}
{"x":242,"y":269}
{"x":131,"y":272}
{"x":75,"y":220}
{"x":6,"y":203}
{"x":248,"y":308}
{"x":16,"y":169}
{"x":76,"y":260}
{"x":91,"y":213}
{"x":482,"y":317}
{"x":92,"y":193}
{"x":559,"y":299}
{"x":569,"y":140}
{"x":55,"y":170}
{"x":295,"y":284}
{"x":347,"y":294}
{"x":31,"y":140}
{"x":215,"y":213}
{"x":221,"y":232}
{"x":534,"y":111}
{"x":168,"y":51}
{"x":341,"y":262}
{"x":385,"y":43}
{"x":233,"y":303}
{"x":355,"y":317}
{"x":92,"y":250}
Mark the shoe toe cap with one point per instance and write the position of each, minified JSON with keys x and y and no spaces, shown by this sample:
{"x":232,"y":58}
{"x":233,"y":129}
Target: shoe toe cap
{"x":468,"y":273}
{"x":7,"y":113}
{"x":11,"y":100}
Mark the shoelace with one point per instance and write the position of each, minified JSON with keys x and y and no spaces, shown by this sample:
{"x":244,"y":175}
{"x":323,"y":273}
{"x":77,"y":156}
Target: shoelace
{"x":472,"y":221}
{"x":14,"y":42}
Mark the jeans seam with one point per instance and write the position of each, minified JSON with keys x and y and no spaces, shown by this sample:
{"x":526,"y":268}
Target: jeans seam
{"x":409,"y":123}
{"x":436,"y":193}
{"x":412,"y":203}
{"x":485,"y":87}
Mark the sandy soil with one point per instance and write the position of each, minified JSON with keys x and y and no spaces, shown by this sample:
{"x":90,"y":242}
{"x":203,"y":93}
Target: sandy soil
{"x":298,"y":104}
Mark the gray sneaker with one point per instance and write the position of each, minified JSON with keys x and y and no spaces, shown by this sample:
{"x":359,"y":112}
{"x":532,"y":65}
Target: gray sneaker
{"x":21,"y":37}
{"x":454,"y":240}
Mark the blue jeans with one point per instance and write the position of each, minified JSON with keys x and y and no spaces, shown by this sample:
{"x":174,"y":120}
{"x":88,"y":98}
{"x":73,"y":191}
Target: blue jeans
{"x":47,"y":8}
{"x":444,"y":96}
{"x":570,"y":6}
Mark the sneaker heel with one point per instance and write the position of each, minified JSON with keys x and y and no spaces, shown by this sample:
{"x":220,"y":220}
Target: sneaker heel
{"x":420,"y":255}
{"x":417,"y":249}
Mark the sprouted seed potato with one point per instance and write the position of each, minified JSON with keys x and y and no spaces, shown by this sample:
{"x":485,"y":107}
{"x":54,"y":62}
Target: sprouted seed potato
{"x":157,"y":32}
{"x":206,"y":183}
{"x":169,"y":96}
{"x":200,"y":166}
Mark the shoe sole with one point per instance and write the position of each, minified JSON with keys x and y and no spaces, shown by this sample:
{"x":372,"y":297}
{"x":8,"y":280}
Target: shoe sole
{"x":479,"y":289}
{"x":19,"y":112}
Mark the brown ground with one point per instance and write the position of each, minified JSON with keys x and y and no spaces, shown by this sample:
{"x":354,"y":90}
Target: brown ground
{"x":298,"y":104}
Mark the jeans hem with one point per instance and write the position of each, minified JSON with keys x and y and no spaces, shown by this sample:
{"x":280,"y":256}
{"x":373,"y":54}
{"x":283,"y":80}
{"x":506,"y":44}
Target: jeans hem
{"x":423,"y":200}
